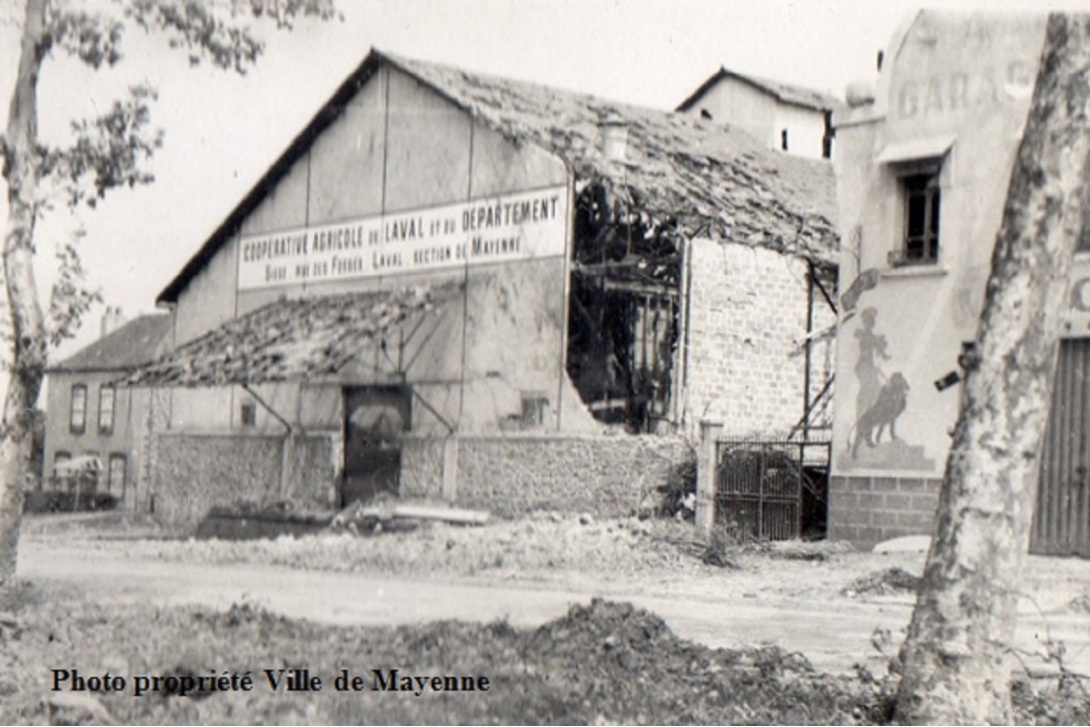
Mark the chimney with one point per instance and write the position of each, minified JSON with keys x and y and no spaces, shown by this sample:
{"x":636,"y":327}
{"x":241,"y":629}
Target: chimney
{"x":614,"y":139}
{"x":112,"y":319}
{"x":859,"y":93}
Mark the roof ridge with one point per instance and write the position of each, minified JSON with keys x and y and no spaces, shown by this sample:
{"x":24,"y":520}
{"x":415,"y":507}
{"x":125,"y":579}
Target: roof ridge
{"x":567,"y":124}
{"x":134,"y":342}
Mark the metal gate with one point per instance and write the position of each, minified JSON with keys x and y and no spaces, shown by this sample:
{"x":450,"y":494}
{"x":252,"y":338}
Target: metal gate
{"x":1061,"y":524}
{"x":772,"y":490}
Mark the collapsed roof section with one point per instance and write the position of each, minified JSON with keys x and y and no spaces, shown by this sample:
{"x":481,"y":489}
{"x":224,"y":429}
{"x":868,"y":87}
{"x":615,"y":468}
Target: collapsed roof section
{"x":707,"y":179}
{"x":291,"y":340}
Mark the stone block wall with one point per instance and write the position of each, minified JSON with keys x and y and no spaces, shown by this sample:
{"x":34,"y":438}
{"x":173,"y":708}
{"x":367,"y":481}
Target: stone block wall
{"x":747,"y":326}
{"x":421,"y":467}
{"x":195,"y":472}
{"x":868,"y":510}
{"x":509,"y":475}
{"x":607,"y":476}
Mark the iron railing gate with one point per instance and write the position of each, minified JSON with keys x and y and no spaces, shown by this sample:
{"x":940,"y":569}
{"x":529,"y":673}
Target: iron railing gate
{"x":772,"y":490}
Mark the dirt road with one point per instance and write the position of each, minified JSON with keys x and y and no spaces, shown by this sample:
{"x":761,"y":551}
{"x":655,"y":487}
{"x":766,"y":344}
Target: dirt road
{"x":834,"y":636}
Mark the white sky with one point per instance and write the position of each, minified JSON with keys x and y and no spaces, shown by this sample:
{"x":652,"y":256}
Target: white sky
{"x":223,"y":130}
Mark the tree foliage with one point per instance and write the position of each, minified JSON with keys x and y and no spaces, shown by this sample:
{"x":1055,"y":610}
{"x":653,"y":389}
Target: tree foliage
{"x":110,"y":151}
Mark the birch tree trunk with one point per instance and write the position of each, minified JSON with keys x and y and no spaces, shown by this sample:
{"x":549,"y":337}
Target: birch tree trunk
{"x":21,"y":170}
{"x":955,"y":665}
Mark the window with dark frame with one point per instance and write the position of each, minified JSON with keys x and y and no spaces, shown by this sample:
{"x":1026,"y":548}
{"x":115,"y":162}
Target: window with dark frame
{"x":115,"y":481}
{"x":106,"y":395}
{"x":922,"y":208}
{"x":77,"y":417}
{"x":248,"y":414}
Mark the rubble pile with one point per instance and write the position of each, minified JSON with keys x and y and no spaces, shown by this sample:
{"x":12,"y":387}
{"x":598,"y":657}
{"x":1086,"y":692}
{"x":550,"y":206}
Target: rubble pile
{"x":885,"y":582}
{"x":538,"y":545}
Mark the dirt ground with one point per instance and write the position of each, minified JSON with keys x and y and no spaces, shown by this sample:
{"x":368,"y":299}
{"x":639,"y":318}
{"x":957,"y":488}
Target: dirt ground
{"x":571,"y":619}
{"x":837,"y":607}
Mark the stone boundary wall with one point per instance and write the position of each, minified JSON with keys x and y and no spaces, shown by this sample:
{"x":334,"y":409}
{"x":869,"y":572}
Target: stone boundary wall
{"x":868,"y":510}
{"x":421,"y":467}
{"x":511,"y":475}
{"x":196,"y":471}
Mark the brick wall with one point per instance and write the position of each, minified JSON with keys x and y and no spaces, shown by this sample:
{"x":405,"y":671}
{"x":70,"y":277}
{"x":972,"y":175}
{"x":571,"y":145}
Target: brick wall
{"x":747,"y":324}
{"x":195,"y":472}
{"x":868,"y":510}
{"x":512,"y":475}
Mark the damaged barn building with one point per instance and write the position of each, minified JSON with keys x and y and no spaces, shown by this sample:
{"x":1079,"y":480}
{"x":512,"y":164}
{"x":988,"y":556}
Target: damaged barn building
{"x":494,"y":292}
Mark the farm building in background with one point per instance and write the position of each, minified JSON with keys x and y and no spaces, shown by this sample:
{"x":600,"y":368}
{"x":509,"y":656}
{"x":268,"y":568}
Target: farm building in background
{"x":88,"y":415}
{"x":782,"y":116}
{"x":491,"y":291}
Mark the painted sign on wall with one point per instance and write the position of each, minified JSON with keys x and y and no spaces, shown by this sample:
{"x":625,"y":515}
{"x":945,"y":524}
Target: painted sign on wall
{"x":964,"y":64}
{"x":1077,"y":323}
{"x":496,"y":229}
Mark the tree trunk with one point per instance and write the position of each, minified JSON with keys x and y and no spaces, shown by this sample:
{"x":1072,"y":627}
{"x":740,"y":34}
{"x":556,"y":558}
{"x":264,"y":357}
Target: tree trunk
{"x":21,"y":170}
{"x":955,"y":659}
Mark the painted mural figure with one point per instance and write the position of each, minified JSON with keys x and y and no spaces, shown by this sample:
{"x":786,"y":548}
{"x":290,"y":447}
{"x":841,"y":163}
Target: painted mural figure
{"x":872,"y":347}
{"x":882,"y":414}
{"x":879,"y":403}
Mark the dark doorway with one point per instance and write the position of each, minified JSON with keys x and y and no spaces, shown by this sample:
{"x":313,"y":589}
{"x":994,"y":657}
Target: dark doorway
{"x":376,"y":417}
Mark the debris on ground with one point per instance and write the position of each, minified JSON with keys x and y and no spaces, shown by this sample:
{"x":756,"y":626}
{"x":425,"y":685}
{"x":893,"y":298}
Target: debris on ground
{"x":446,"y":514}
{"x":543,"y":544}
{"x":885,"y":582}
{"x":722,"y":550}
{"x":385,"y":513}
{"x":905,"y":544}
{"x":811,"y":550}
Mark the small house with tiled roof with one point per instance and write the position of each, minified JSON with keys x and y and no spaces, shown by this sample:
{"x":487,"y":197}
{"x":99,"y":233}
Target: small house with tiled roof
{"x":88,"y":415}
{"x":494,"y":291}
{"x":782,"y":116}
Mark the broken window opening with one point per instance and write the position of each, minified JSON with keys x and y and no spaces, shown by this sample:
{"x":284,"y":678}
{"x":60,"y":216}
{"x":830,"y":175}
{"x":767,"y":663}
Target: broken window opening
{"x":623,"y":326}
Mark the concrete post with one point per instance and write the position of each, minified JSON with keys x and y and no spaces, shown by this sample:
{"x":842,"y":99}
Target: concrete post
{"x":705,"y":477}
{"x":450,"y":467}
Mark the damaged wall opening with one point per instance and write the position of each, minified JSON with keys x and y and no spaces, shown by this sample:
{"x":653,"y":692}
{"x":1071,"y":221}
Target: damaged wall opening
{"x":623,"y":325}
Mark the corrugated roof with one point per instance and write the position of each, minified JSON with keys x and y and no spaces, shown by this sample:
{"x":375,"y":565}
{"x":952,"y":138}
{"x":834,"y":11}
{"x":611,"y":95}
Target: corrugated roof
{"x":137,"y":342}
{"x":708,"y":178}
{"x":784,"y":92}
{"x":290,"y":340}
